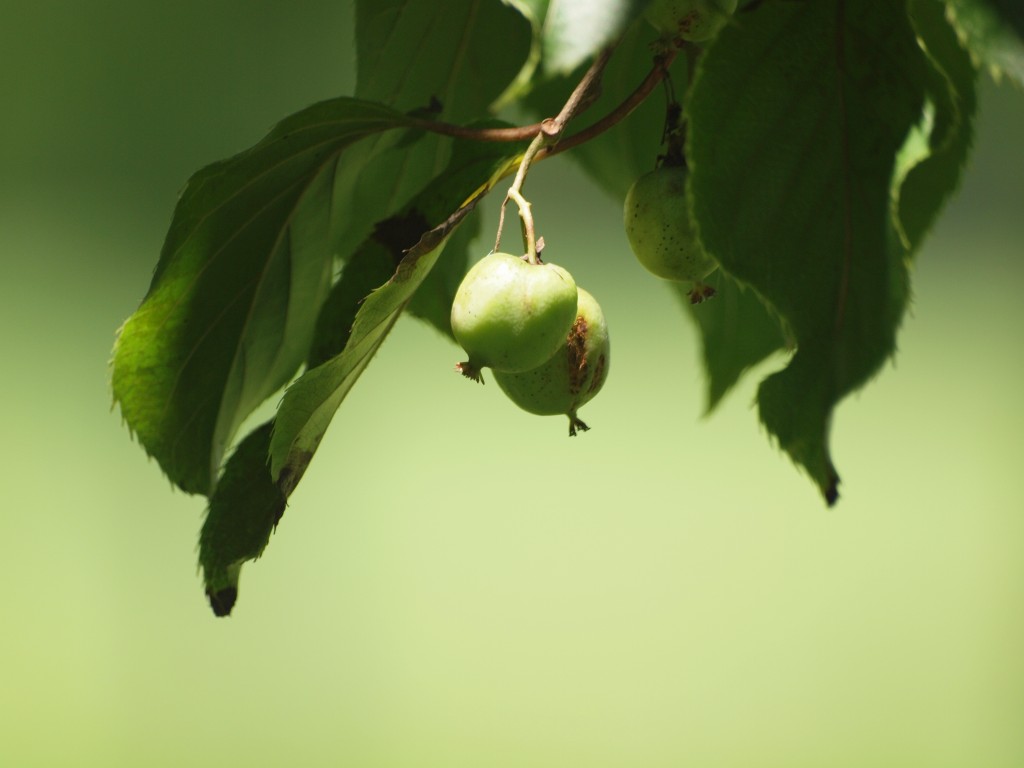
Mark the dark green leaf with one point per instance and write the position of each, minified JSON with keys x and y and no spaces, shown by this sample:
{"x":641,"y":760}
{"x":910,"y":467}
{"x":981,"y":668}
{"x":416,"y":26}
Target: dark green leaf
{"x":309,"y":404}
{"x":473,"y":165}
{"x":446,"y":61}
{"x":993,"y":30}
{"x":934,"y":155}
{"x":796,"y":116}
{"x":231,"y":310}
{"x":432,"y":301}
{"x":737,"y":332}
{"x":459,"y":54}
{"x":244,"y":510}
{"x":372,"y":265}
{"x":247,"y":502}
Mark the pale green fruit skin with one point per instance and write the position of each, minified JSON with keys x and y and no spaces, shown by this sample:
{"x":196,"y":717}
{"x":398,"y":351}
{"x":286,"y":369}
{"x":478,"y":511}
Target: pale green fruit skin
{"x":572,"y":376}
{"x":693,"y":20}
{"x":511,"y":315}
{"x":660,"y":230}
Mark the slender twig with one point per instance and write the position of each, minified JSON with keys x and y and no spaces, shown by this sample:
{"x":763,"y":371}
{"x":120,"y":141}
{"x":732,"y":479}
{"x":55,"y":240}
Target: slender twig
{"x":623,"y":110}
{"x":547,"y":134}
{"x":515,"y":194}
{"x":582,"y":96}
{"x":510,"y":134}
{"x":550,"y":132}
{"x":524,"y":132}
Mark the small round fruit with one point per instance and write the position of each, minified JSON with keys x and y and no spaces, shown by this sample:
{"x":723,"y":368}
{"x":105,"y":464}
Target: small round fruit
{"x":693,"y":20}
{"x":661,"y":232}
{"x":511,"y":315}
{"x":572,"y":377}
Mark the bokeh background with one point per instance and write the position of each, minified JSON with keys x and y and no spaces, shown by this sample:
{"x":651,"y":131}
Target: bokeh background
{"x":455,"y":582}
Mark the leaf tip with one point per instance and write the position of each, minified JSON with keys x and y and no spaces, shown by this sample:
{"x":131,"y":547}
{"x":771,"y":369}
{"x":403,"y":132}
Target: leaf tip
{"x":222,"y":601}
{"x":222,"y":588}
{"x":830,"y":490}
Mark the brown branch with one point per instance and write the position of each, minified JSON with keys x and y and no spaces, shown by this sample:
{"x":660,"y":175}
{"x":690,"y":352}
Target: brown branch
{"x":577,"y":103}
{"x":515,"y":133}
{"x":547,"y":134}
{"x":622,"y":111}
{"x":582,"y":96}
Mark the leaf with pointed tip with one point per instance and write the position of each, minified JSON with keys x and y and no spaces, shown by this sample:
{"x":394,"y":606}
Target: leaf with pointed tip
{"x":737,"y":332}
{"x":244,"y":510}
{"x":310,"y":403}
{"x":795,"y":119}
{"x":231,"y":309}
{"x":993,"y":30}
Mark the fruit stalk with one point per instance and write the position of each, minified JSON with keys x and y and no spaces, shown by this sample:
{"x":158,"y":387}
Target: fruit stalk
{"x":550,"y":132}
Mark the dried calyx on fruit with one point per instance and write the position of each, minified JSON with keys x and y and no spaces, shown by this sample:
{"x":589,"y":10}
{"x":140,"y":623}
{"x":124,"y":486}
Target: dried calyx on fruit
{"x":661,"y":233}
{"x":511,"y":315}
{"x":572,"y":376}
{"x":695,"y":21}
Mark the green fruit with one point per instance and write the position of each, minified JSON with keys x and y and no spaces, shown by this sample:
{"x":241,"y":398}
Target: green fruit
{"x":693,"y":20}
{"x":571,"y":377}
{"x":511,"y":315}
{"x":661,"y":232}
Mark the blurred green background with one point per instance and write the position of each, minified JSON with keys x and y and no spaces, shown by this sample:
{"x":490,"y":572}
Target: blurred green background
{"x":455,"y":582}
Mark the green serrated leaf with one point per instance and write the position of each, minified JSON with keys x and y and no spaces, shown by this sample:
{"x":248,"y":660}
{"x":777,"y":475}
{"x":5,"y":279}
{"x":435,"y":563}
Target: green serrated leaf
{"x":370,"y":267}
{"x":243,"y":512}
{"x":473,"y":165}
{"x":237,"y":527}
{"x":796,"y":115}
{"x":933,"y":157}
{"x":230,"y":313}
{"x":993,"y":31}
{"x":737,"y":332}
{"x":310,"y":403}
{"x":432,"y":301}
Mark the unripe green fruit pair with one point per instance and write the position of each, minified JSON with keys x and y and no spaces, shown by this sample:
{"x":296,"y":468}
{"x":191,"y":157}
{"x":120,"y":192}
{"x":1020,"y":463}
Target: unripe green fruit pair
{"x":661,"y":232}
{"x":572,"y":376}
{"x":511,"y":315}
{"x":692,"y":20}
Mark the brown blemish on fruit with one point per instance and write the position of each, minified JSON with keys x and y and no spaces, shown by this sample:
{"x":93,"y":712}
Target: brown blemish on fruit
{"x":576,"y":354}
